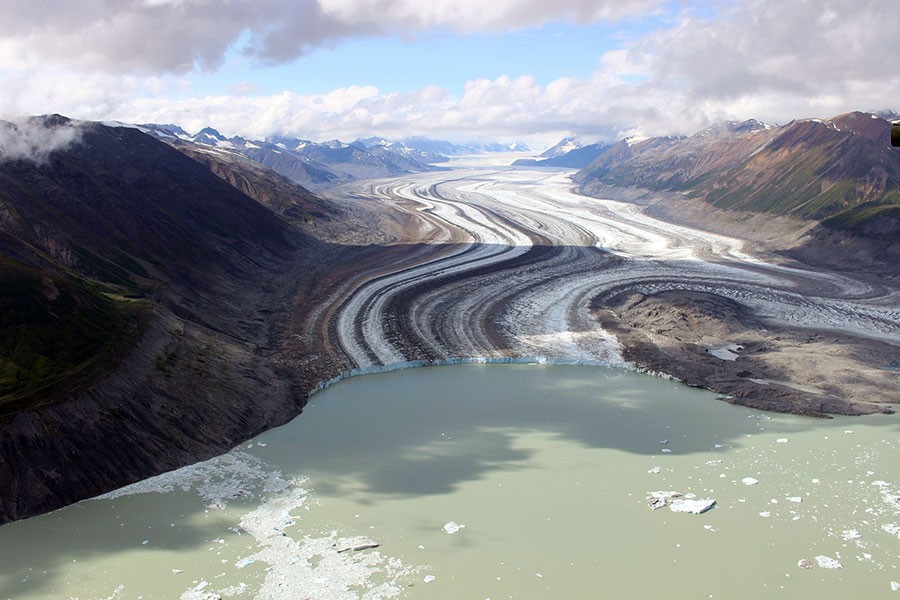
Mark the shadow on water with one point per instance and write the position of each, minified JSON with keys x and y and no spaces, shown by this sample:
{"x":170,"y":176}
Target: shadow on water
{"x":36,"y":554}
{"x":427,"y":431}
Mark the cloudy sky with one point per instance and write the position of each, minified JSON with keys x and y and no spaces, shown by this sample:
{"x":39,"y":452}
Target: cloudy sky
{"x":531,"y":70}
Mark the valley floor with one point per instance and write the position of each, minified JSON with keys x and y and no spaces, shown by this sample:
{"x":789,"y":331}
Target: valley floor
{"x":491,"y":262}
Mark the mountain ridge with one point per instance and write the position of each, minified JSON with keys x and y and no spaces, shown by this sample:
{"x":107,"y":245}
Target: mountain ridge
{"x":809,"y":168}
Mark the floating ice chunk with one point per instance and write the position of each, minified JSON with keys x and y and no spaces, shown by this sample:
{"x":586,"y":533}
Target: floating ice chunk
{"x":660,"y":499}
{"x":654,"y":470}
{"x":452,"y":527}
{"x":895,"y":586}
{"x":892,"y":528}
{"x":717,"y":446}
{"x":717,"y":461}
{"x":826,"y":562}
{"x":664,"y":442}
{"x":804,"y":564}
{"x":666,"y":450}
{"x":765,"y":514}
{"x":685,"y":505}
{"x":248,"y":560}
{"x":261,"y":444}
{"x":815,"y":481}
{"x":851,"y":534}
{"x":749,"y":481}
{"x":848,"y":431}
{"x":429,"y":578}
{"x":177,"y":571}
{"x":795,"y":499}
{"x":358,"y":543}
{"x":781,"y":441}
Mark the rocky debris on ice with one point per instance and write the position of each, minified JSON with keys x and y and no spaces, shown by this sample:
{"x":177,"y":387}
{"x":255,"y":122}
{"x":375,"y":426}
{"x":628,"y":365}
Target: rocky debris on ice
{"x":661,"y":499}
{"x":678,"y":502}
{"x":356,"y":544}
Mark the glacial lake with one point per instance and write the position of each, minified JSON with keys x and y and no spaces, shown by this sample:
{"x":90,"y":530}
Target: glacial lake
{"x":494,"y":481}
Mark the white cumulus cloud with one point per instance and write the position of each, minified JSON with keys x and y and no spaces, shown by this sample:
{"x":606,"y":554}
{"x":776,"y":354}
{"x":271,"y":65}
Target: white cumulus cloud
{"x":769,"y":59}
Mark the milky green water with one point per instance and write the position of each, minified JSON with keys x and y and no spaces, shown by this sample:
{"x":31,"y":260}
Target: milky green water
{"x":547,"y":468}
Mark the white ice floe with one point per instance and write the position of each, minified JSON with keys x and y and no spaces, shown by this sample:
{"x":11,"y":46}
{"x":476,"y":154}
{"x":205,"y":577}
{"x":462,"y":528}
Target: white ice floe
{"x":654,"y":470}
{"x":452,"y":527}
{"x":826,"y":562}
{"x":311,"y":567}
{"x":749,"y":481}
{"x":679,"y":502}
{"x":693,"y":506}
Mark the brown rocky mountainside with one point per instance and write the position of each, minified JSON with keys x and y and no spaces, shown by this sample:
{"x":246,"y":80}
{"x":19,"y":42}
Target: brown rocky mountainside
{"x":811,"y":169}
{"x":271,"y":189}
{"x":139,"y":295}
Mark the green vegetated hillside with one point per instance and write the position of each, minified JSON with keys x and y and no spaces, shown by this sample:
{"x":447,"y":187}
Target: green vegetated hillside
{"x":56,"y":331}
{"x":96,"y":234}
{"x":879,"y":222}
{"x":811,"y":169}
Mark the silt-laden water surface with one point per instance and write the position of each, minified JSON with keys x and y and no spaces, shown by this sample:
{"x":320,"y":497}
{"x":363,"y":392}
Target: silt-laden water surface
{"x":540,"y":472}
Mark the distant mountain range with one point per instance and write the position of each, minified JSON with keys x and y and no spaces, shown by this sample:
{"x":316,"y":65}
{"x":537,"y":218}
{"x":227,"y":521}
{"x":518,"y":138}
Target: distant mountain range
{"x":568,"y":154}
{"x":316,"y":164}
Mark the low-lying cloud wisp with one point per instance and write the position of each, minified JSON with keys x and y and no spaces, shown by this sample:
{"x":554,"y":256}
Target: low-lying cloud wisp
{"x":35,"y":139}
